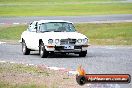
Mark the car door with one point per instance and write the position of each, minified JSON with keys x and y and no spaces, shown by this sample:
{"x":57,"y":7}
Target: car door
{"x":31,"y":36}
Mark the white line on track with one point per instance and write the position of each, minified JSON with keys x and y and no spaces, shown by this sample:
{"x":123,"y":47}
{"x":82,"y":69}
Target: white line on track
{"x":2,"y":42}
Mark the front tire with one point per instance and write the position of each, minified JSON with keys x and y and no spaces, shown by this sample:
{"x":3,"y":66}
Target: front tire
{"x":25,"y":50}
{"x":42,"y":51}
{"x":83,"y":54}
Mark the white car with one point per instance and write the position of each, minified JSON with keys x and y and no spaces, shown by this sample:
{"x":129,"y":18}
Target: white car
{"x":53,"y":36}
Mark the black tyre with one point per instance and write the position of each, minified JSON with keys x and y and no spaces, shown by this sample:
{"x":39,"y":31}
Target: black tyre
{"x":81,"y":80}
{"x":25,"y":50}
{"x":83,"y":54}
{"x":42,"y":51}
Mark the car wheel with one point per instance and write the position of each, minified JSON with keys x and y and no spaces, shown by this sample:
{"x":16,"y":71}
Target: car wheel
{"x":25,"y":50}
{"x":82,"y":53}
{"x":42,"y":51}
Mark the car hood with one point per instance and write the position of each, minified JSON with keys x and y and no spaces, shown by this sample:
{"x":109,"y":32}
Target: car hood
{"x":63,"y":35}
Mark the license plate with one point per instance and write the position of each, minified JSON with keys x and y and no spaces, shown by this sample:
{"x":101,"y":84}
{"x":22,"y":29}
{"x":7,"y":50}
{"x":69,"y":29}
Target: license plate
{"x":68,"y":47}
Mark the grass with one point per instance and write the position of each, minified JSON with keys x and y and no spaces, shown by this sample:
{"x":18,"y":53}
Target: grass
{"x":13,"y":75}
{"x":20,"y":68}
{"x":18,"y":71}
{"x":99,"y":34}
{"x":62,"y":7}
{"x":7,"y":85}
{"x":107,"y":34}
{"x":11,"y":32}
{"x":51,"y":1}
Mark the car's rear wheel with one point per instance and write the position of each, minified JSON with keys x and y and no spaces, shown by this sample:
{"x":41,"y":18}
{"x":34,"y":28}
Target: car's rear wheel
{"x":83,"y":54}
{"x":42,"y":51}
{"x":25,"y":50}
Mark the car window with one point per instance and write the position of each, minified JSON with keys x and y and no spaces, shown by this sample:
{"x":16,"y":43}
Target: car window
{"x":42,"y":28}
{"x":57,"y":27}
{"x":32,"y":27}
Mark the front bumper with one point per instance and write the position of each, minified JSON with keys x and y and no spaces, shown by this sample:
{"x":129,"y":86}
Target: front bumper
{"x":77,"y":48}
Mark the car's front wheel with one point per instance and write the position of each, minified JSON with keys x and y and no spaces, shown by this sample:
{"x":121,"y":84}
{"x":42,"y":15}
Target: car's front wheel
{"x":42,"y":51}
{"x":25,"y":50}
{"x":83,"y":54}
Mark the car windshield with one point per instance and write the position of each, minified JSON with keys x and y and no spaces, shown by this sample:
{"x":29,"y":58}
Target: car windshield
{"x":57,"y":27}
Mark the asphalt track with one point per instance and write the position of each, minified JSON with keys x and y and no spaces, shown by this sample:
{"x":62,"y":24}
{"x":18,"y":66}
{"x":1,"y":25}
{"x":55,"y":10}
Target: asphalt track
{"x":100,"y":59}
{"x":75,"y":19}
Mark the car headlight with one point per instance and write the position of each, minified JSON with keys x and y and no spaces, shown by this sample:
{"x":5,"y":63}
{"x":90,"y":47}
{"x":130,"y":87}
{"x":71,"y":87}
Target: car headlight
{"x":79,"y":40}
{"x":50,"y":41}
{"x":85,"y":40}
{"x":56,"y":41}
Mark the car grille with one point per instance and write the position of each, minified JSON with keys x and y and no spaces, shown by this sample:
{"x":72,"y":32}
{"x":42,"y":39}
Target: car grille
{"x":67,"y":41}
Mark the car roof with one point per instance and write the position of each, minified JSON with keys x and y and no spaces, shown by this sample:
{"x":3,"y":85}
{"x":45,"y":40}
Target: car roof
{"x":47,"y":21}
